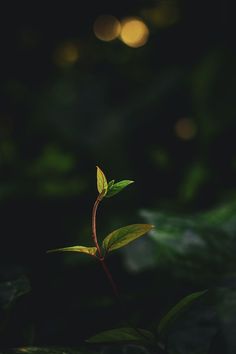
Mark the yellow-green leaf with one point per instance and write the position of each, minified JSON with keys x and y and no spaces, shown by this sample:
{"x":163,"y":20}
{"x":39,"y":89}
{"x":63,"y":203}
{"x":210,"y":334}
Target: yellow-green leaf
{"x":102,"y":185}
{"x":81,"y":249}
{"x":125,"y":235}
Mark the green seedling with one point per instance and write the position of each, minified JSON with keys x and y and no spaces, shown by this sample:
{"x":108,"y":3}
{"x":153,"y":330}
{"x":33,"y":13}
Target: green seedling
{"x":156,"y":339}
{"x":116,"y":239}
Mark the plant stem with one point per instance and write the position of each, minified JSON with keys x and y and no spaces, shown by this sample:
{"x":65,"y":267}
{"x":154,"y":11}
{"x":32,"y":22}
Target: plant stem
{"x":94,"y":228}
{"x":102,"y":261}
{"x":109,"y":276}
{"x":95,"y":240}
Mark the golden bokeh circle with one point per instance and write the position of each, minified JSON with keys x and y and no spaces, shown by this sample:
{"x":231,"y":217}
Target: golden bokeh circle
{"x":134,"y":32}
{"x":107,"y":28}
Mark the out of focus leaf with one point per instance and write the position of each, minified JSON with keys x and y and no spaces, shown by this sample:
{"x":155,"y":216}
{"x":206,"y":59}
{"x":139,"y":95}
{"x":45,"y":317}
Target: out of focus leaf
{"x":199,"y":242}
{"x":53,"y":161}
{"x":47,"y":350}
{"x":125,"y":235}
{"x":125,"y":334}
{"x":196,"y":176}
{"x":81,"y":249}
{"x":176,"y":311}
{"x":12,"y":289}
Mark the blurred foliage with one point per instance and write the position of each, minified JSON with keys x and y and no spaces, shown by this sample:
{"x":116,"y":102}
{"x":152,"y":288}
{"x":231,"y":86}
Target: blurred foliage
{"x":49,"y":350}
{"x":200,"y":250}
{"x":11,"y":290}
{"x":195,"y":243}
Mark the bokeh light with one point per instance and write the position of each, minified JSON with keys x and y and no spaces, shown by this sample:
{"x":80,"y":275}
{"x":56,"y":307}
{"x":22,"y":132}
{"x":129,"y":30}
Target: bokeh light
{"x":66,"y":54}
{"x":134,"y":32}
{"x":185,"y":129}
{"x":107,"y":28}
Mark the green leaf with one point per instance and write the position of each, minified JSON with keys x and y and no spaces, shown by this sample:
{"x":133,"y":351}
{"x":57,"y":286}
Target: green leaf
{"x":125,"y":235}
{"x":125,"y":334}
{"x":102,"y":185}
{"x":177,"y":311}
{"x":117,"y":187}
{"x":81,"y":249}
{"x":110,"y":184}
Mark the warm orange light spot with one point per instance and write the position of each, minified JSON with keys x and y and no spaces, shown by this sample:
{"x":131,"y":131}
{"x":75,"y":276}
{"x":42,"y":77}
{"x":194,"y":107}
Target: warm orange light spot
{"x":106,"y":28}
{"x":185,"y":129}
{"x":66,"y":54}
{"x":134,"y":32}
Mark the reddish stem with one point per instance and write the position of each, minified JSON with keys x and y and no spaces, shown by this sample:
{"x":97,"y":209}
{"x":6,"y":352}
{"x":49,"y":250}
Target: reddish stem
{"x":94,"y":228}
{"x":95,"y":240}
{"x":109,"y":276}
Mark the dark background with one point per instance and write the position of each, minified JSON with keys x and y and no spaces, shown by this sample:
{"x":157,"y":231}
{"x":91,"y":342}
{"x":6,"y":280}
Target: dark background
{"x":120,"y":108}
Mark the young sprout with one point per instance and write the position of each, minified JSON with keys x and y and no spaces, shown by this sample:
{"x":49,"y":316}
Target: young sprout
{"x":158,"y":338}
{"x":117,"y":238}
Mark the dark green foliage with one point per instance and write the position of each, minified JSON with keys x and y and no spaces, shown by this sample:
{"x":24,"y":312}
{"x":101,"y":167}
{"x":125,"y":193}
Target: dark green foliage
{"x":47,"y":350}
{"x":173,"y":315}
{"x":199,"y":243}
{"x":122,"y":335}
{"x":12,"y":289}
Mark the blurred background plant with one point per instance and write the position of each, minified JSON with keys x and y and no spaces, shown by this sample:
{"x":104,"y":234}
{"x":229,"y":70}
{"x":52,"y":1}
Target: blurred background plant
{"x":145,"y":89}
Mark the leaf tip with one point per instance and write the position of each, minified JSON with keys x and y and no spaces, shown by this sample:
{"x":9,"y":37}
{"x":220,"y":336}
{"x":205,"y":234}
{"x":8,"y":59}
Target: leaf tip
{"x":50,"y":251}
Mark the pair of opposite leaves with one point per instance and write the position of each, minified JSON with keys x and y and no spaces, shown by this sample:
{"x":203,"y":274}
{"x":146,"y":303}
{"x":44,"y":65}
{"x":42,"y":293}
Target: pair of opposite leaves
{"x":120,"y":237}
